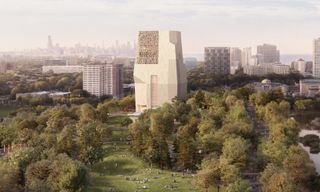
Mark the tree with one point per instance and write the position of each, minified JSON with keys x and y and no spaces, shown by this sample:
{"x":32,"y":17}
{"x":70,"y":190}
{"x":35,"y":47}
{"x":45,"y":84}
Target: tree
{"x":302,"y":105}
{"x":67,"y":174}
{"x":199,"y":98}
{"x":87,"y":113}
{"x":37,"y":175}
{"x":186,"y":148}
{"x":275,"y":179}
{"x":157,"y":151}
{"x":229,"y":172}
{"x":298,"y":165}
{"x":139,"y":133}
{"x":103,"y":112}
{"x":90,"y":143}
{"x":284,"y":108}
{"x":239,"y":186}
{"x":273,"y":152}
{"x":127,"y":103}
{"x":66,"y":142}
{"x":9,"y":177}
{"x":235,"y":150}
{"x":209,"y":175}
{"x":161,"y":124}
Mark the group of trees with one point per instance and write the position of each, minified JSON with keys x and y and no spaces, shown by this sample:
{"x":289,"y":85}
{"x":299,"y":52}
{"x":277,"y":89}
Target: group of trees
{"x":76,"y":97}
{"x":45,"y":82}
{"x":210,"y":132}
{"x":198,"y":79}
{"x":51,"y":147}
{"x":284,"y":164}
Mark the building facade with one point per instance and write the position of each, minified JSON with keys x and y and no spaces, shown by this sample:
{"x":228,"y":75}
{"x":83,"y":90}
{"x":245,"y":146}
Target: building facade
{"x":261,"y":70}
{"x":302,"y":66}
{"x":103,"y":79}
{"x":159,"y":72}
{"x":309,"y":87}
{"x":246,"y":56}
{"x":217,"y":60}
{"x":58,"y":69}
{"x":235,"y":59}
{"x":270,"y":53}
{"x":316,"y":58}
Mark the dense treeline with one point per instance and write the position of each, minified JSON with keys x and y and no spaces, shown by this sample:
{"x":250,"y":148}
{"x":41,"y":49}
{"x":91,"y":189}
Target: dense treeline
{"x":197,"y":79}
{"x":284,"y":164}
{"x":50,"y":147}
{"x":210,"y":131}
{"x":42,"y":82}
{"x":213,"y":134}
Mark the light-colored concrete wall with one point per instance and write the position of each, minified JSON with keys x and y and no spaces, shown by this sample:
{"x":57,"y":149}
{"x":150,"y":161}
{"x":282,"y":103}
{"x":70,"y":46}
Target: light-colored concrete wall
{"x":170,"y":72}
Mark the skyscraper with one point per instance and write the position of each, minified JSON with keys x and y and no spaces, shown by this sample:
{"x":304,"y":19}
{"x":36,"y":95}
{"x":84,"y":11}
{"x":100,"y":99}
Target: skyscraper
{"x":103,"y":79}
{"x":316,"y":58}
{"x":270,"y":53}
{"x":235,"y":59}
{"x":50,"y":45}
{"x":217,"y":60}
{"x":159,"y":72}
{"x":246,"y":56}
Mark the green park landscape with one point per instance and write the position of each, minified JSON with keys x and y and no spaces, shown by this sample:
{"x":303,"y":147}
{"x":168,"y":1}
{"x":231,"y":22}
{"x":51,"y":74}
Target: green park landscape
{"x":6,"y":110}
{"x":121,"y":171}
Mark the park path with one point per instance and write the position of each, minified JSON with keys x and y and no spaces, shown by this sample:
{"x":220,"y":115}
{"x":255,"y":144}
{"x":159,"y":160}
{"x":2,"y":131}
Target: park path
{"x":252,"y":172}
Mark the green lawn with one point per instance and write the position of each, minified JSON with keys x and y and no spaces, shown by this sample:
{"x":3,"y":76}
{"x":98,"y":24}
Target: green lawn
{"x":121,"y":171}
{"x":5,"y":110}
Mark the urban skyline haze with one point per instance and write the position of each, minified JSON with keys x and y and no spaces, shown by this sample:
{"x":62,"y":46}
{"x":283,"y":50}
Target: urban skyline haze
{"x":289,"y":24}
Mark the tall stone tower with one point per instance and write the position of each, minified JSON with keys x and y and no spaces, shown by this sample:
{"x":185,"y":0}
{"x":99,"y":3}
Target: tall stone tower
{"x":159,"y":72}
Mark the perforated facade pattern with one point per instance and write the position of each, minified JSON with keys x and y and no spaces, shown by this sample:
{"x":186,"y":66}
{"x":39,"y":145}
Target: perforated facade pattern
{"x":148,"y":52}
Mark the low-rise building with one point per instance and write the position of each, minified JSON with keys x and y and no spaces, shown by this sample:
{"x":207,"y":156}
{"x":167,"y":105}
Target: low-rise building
{"x":266,"y":85}
{"x":304,"y":67}
{"x":50,"y":94}
{"x":59,"y":69}
{"x":309,"y":87}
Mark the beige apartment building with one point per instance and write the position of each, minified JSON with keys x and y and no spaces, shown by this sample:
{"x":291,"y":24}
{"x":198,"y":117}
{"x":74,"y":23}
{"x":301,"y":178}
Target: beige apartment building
{"x":264,"y":69}
{"x":103,"y":79}
{"x":159,"y":72}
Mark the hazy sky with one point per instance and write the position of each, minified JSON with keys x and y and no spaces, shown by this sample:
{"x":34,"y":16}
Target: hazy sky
{"x":290,"y":24}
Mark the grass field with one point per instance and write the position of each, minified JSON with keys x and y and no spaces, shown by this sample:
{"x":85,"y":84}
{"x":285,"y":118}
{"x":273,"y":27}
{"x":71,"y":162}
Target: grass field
{"x":5,"y":110}
{"x":121,"y":171}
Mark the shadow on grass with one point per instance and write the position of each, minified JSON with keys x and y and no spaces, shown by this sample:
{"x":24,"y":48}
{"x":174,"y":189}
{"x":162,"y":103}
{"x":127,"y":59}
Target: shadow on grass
{"x":116,"y":167}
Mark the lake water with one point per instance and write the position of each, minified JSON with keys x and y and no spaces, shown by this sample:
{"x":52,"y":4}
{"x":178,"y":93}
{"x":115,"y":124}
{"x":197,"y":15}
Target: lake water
{"x":314,"y":157}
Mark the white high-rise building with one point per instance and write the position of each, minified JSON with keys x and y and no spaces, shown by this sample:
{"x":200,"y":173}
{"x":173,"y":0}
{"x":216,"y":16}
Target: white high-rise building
{"x":159,"y":72}
{"x":103,"y":79}
{"x":236,"y":59}
{"x":246,"y":56}
{"x":316,"y":58}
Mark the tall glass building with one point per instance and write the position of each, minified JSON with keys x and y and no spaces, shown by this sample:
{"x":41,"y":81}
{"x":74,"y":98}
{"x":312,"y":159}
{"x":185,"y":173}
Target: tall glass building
{"x":316,"y":58}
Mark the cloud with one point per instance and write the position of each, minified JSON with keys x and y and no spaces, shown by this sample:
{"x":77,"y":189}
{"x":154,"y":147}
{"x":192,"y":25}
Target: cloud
{"x":177,"y":9}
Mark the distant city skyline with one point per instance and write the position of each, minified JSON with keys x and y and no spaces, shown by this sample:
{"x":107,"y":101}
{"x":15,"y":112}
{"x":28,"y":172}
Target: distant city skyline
{"x":292,"y":25}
